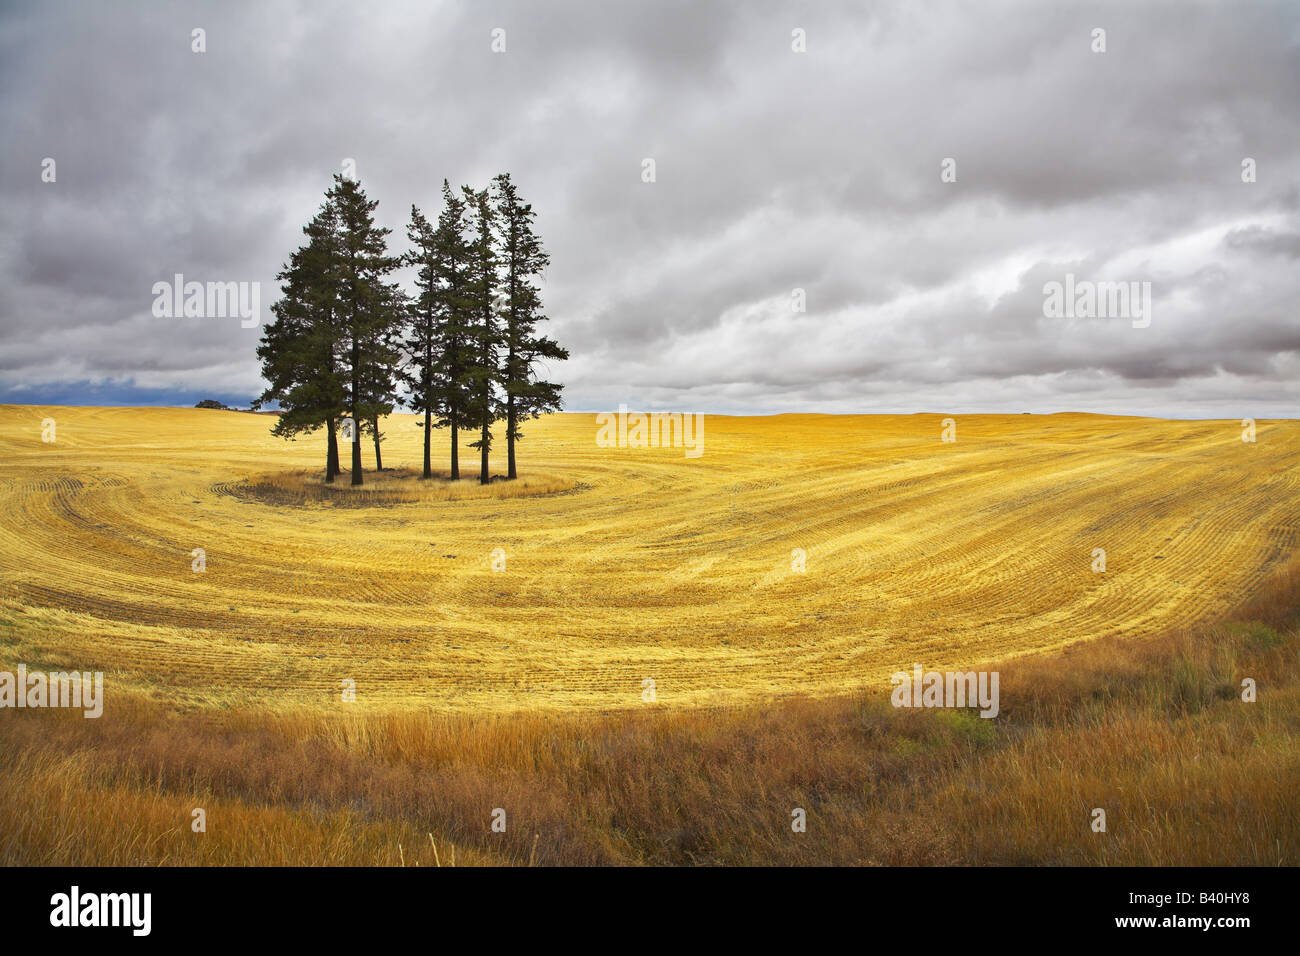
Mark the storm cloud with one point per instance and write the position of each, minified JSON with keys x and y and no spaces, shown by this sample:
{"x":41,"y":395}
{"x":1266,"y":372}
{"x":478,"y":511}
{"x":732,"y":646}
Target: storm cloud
{"x":776,"y":171}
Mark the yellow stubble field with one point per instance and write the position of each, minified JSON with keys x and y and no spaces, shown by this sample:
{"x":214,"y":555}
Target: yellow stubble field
{"x":620,"y":565}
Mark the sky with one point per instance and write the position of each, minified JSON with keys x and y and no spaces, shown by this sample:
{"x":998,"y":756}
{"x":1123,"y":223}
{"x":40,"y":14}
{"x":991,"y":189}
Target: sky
{"x":795,"y":146}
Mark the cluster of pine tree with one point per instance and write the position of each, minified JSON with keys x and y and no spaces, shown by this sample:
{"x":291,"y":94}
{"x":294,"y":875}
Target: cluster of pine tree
{"x":347,"y":343}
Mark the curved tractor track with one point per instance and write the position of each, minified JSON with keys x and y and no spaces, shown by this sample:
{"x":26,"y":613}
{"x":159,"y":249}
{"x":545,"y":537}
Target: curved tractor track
{"x":626,"y":564}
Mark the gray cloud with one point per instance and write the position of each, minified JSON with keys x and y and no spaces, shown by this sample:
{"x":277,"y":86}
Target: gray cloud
{"x":776,"y":171}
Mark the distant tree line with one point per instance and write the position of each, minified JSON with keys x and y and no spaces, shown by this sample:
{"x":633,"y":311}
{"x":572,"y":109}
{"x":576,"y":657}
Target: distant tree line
{"x":347,"y":343}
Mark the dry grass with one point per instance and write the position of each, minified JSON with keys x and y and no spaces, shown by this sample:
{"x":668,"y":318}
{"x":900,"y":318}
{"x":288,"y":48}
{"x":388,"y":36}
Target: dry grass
{"x":1152,"y":731}
{"x":521,"y":689}
{"x":401,"y":486}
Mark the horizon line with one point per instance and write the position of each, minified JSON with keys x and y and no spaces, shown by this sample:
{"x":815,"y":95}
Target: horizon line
{"x":667,"y":411}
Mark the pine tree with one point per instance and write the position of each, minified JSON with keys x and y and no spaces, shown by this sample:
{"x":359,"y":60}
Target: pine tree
{"x":522,"y":261}
{"x":484,"y":334}
{"x":369,"y":312}
{"x":454,"y":255}
{"x":387,"y":367}
{"x":437,"y":336}
{"x":297,"y":347}
{"x":464,"y":349}
{"x":422,"y":340}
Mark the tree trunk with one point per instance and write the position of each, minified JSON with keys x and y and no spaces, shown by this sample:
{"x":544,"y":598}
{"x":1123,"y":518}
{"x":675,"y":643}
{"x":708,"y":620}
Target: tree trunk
{"x":379,"y":458}
{"x":428,"y":428}
{"x":428,"y":410}
{"x":331,"y":451}
{"x":483,"y":476}
{"x":512,"y":333}
{"x":510,"y":439}
{"x":356,"y":422}
{"x":356,"y":453}
{"x":455,"y":450}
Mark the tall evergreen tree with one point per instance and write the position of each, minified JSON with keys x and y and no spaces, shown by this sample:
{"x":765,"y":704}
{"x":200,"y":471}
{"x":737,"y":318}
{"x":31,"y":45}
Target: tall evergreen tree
{"x":297,"y":347}
{"x":465,"y":349}
{"x":422,"y":341}
{"x":484,"y":333}
{"x":522,"y":263}
{"x":387,"y":368}
{"x":368,"y":315}
{"x":438,"y":329}
{"x":454,"y":254}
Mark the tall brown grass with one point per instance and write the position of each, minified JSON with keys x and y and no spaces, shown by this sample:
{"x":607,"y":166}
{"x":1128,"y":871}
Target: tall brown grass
{"x":1152,"y":731}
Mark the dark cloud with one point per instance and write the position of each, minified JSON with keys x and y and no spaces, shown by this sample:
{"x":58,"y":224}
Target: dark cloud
{"x":775,"y":171}
{"x":1265,"y":241}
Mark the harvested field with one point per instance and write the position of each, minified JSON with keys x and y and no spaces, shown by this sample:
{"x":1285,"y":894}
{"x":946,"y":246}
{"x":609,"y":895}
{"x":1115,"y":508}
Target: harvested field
{"x":620,"y":564}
